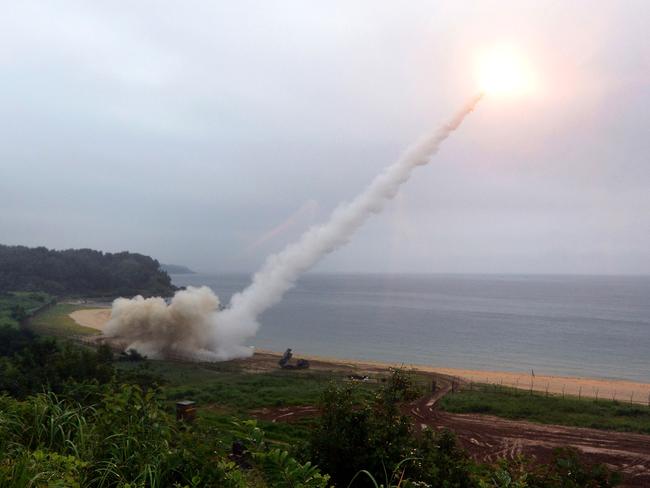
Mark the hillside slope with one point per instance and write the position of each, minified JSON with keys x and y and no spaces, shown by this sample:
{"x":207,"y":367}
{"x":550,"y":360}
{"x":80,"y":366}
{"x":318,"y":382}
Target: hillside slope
{"x":81,"y":272}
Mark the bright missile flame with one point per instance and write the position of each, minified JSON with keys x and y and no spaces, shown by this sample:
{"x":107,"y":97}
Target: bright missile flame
{"x":504,"y":71}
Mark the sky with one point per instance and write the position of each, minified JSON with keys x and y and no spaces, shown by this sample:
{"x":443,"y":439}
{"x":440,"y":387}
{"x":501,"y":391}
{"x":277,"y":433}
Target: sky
{"x":211,"y":134}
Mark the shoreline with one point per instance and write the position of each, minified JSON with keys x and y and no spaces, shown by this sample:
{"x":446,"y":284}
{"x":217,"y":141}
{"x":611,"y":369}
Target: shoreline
{"x":625,"y":391}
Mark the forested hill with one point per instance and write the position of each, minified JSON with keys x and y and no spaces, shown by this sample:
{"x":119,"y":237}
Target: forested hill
{"x":176,"y":269}
{"x":83,"y":272}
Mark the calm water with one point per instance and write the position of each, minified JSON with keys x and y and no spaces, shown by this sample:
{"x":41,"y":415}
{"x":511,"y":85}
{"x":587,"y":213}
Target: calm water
{"x":578,"y":326}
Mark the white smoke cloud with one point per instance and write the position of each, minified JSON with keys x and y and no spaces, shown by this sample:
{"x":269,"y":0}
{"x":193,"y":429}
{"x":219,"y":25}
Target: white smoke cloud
{"x":184,"y":327}
{"x":192,"y":326}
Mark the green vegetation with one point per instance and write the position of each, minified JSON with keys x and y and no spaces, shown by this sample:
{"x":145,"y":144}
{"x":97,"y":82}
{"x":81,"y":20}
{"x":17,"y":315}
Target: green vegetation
{"x":81,"y":272}
{"x":56,"y":321}
{"x":522,"y":405}
{"x":29,"y":364}
{"x":71,"y":416}
{"x":228,"y":385}
{"x":124,"y":440}
{"x":15,"y":307}
{"x":225,"y":391}
{"x":121,"y":433}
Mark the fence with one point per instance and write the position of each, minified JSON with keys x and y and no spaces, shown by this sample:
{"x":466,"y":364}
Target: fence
{"x":577,"y":388}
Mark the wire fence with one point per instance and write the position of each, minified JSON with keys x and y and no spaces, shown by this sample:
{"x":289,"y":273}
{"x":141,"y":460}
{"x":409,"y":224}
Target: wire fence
{"x":569,"y":389}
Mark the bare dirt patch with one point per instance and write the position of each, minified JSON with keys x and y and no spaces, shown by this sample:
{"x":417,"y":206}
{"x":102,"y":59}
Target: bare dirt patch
{"x":286,"y":414}
{"x":266,"y":361}
{"x":489,"y":438}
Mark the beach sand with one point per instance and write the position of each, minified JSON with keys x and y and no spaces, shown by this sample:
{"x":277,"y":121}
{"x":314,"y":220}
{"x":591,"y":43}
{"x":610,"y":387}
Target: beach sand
{"x":95,"y":318}
{"x":622,"y":390}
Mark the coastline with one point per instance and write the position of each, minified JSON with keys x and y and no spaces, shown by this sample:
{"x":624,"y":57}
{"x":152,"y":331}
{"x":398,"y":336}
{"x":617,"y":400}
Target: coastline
{"x":625,"y":391}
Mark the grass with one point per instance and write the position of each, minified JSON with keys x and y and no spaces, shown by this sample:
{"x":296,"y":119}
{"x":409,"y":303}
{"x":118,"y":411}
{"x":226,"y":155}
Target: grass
{"x":29,"y":301}
{"x":283,"y":434}
{"x":516,"y":404}
{"x":244,"y":391}
{"x":226,"y":385}
{"x":56,"y":321}
{"x":225,"y":393}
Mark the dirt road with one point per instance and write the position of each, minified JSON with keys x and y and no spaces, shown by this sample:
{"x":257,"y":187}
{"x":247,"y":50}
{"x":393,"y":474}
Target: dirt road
{"x":489,"y":438}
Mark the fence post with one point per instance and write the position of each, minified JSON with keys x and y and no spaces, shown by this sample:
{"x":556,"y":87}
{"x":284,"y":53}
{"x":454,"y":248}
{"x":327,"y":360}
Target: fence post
{"x":580,"y":392}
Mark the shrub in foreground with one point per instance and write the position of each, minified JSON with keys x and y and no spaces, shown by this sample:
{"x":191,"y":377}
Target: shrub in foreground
{"x":374,"y":445}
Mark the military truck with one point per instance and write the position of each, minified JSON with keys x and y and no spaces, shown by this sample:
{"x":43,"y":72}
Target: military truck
{"x":285,"y":361}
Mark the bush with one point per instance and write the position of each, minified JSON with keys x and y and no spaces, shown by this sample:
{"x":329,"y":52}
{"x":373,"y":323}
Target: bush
{"x":42,"y":364}
{"x":372,"y":436}
{"x":126,"y":440}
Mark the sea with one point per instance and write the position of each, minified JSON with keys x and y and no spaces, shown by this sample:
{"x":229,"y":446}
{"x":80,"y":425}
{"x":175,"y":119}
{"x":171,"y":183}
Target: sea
{"x":587,"y":326}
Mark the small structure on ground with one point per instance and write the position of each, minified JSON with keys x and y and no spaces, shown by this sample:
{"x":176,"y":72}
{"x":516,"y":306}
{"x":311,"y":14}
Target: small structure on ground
{"x":186,"y":410}
{"x":358,"y":377}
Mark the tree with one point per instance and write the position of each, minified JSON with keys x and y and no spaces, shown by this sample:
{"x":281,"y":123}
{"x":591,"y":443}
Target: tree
{"x":81,"y":272}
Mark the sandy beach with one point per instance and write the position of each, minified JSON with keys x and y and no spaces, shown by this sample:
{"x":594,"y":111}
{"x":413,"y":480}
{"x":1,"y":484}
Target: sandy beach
{"x":622,"y":390}
{"x":95,"y":318}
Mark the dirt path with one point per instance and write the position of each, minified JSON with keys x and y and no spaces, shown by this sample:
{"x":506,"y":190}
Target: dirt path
{"x":286,"y":414}
{"x":489,"y":438}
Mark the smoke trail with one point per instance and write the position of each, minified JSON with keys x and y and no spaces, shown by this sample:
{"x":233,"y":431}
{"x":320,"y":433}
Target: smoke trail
{"x":192,"y":325}
{"x":307,"y":209}
{"x":281,"y":270}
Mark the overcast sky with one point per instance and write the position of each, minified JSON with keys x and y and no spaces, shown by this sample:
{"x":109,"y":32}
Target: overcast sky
{"x":212,"y":133}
